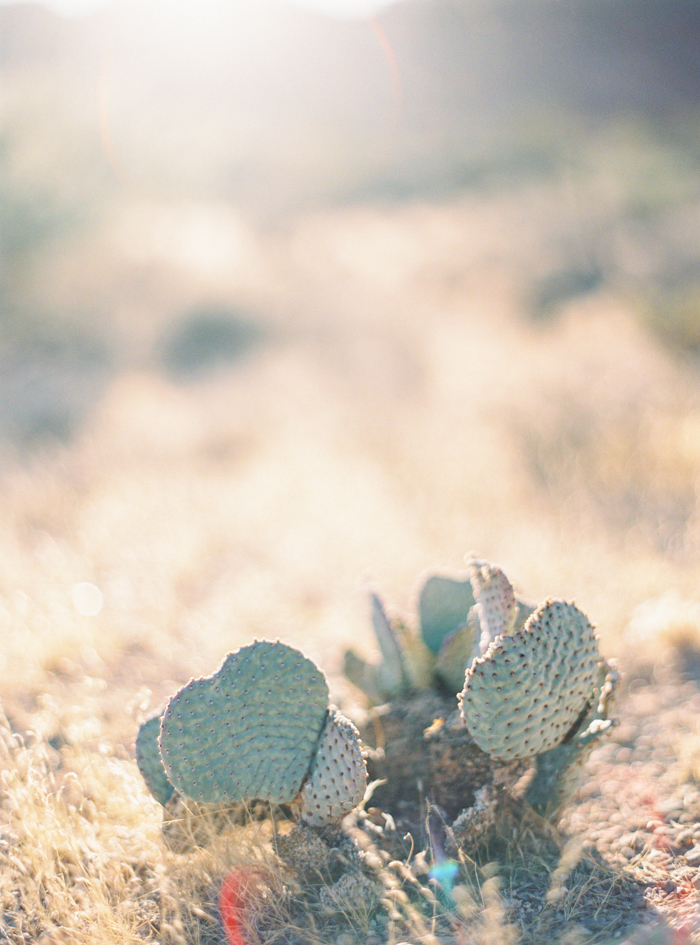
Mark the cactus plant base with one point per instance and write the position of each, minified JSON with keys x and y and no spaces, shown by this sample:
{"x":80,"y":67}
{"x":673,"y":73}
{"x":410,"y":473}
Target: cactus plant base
{"x":425,"y":760}
{"x":425,"y":757}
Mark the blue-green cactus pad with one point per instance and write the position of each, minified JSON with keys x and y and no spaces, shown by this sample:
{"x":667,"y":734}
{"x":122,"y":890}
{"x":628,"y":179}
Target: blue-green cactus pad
{"x":150,"y":763}
{"x":443,"y":605}
{"x":248,"y":731}
{"x":338,"y":776}
{"x":456,"y":653}
{"x":524,"y":694}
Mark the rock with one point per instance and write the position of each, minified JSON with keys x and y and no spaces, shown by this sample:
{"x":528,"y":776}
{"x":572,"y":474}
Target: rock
{"x":692,"y":856}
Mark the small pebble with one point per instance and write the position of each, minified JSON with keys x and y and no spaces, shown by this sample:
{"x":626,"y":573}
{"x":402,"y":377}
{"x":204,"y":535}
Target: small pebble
{"x":692,"y":856}
{"x":658,"y":856}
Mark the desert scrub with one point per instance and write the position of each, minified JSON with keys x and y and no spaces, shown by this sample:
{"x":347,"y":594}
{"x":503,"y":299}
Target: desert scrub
{"x":87,"y":856}
{"x":84,"y":857}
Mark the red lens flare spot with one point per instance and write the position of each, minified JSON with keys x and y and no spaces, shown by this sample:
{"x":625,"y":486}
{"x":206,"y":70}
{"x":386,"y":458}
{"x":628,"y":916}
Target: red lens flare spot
{"x":234,"y":895}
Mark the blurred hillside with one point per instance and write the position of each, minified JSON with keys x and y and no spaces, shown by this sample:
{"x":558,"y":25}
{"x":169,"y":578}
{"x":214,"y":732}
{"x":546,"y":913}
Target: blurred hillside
{"x":275,"y":107}
{"x":285,"y":301}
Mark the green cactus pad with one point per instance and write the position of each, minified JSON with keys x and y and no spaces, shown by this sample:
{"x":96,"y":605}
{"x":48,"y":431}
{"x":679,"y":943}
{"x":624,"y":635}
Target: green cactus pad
{"x":392,"y":672}
{"x":248,"y":731}
{"x":495,"y":600}
{"x":557,"y":771}
{"x":417,"y":658}
{"x":456,"y":653}
{"x":524,"y":694}
{"x":338,"y":777}
{"x":150,"y":763}
{"x":443,"y":605}
{"x":363,"y":675}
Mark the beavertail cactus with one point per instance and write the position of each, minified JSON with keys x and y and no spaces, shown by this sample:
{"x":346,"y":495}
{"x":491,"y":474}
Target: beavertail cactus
{"x":457,"y":619}
{"x":258,"y":729}
{"x":534,"y":699}
{"x":456,"y":653}
{"x":391,"y":673}
{"x":525,"y":693}
{"x":249,"y":730}
{"x":338,"y":775}
{"x":557,"y":771}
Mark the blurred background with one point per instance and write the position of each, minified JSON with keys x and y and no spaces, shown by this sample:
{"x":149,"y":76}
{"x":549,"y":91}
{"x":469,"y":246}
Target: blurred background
{"x":294,"y":300}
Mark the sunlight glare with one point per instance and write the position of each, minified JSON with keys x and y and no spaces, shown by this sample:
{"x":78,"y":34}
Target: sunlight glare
{"x":191,"y":10}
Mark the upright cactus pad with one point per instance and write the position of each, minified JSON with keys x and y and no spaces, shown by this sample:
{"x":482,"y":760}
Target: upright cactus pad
{"x":338,"y":777}
{"x":392,"y":671}
{"x":150,"y":763}
{"x":525,"y":693}
{"x":248,"y":731}
{"x":443,"y":605}
{"x":456,"y":653}
{"x":495,"y":601}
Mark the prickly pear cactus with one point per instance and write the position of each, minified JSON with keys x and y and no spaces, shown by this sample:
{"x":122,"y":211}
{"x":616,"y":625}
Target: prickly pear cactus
{"x":257,"y":730}
{"x":248,"y":731}
{"x":457,"y":619}
{"x":338,"y":776}
{"x":534,"y":699}
{"x":525,"y":693}
{"x":456,"y":653}
{"x":391,"y":674}
{"x":150,"y":763}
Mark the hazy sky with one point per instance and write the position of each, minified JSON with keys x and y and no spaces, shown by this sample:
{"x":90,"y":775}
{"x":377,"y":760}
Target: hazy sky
{"x":343,"y":8}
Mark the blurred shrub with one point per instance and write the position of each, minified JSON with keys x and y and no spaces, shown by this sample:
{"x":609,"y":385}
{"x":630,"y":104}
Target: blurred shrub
{"x":54,"y":369}
{"x":29,"y":216}
{"x":27,"y":222}
{"x":208,"y":337}
{"x":564,"y":285}
{"x":673,"y":313}
{"x":27,"y":334}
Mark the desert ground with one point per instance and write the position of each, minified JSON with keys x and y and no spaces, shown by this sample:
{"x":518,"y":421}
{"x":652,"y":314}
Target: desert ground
{"x":218,"y":426}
